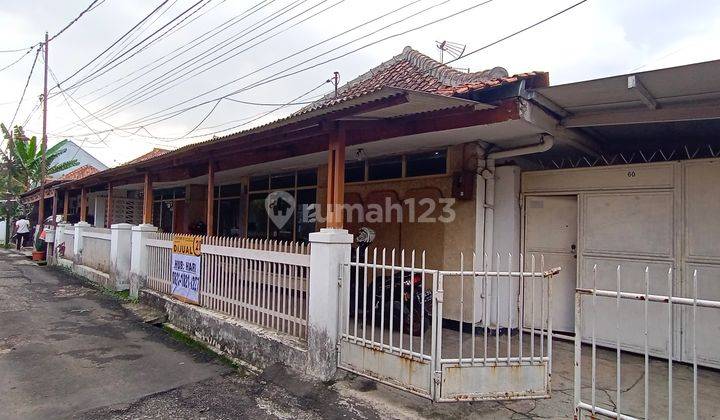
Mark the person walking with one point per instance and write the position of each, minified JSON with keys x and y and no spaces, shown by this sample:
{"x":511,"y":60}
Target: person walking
{"x":22,"y":230}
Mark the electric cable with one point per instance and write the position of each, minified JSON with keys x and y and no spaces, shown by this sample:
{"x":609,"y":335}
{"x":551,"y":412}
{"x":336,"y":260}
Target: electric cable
{"x":134,"y":46}
{"x":116,"y":42}
{"x":187,"y":47}
{"x":141,"y":94}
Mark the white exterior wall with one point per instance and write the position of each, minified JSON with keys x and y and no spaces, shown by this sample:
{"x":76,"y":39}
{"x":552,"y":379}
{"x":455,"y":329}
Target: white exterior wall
{"x":506,"y":237}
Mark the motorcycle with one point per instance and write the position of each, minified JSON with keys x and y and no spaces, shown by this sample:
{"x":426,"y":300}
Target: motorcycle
{"x":398,"y":298}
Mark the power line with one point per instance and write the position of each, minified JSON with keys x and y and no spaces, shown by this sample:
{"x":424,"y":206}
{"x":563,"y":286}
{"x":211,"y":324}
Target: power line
{"x":306,"y":49}
{"x":527,"y":28}
{"x":116,"y":41}
{"x":136,"y":45}
{"x":89,"y":8}
{"x":164,"y":140}
{"x":227,"y":41}
{"x":18,"y":60}
{"x":204,"y":54}
{"x":273,"y":78}
{"x":131,"y":38}
{"x":145,"y":94}
{"x":18,"y":50}
{"x":65,"y":96}
{"x":171,"y":30}
{"x":27,"y":82}
{"x":187,"y":47}
{"x":279,"y":75}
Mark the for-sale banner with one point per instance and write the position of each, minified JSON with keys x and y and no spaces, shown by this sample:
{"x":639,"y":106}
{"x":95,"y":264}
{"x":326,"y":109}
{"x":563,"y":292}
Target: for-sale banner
{"x":186,"y":268}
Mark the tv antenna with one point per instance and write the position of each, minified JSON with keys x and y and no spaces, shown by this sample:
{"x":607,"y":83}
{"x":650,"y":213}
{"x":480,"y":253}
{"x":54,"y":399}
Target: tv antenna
{"x":453,"y":49}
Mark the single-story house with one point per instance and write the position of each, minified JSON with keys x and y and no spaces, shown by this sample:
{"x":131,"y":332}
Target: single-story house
{"x":619,"y":170}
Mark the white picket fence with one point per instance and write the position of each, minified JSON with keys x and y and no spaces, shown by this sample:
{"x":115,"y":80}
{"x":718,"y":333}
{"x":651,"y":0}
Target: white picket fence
{"x":159,"y":273}
{"x":259,"y":281}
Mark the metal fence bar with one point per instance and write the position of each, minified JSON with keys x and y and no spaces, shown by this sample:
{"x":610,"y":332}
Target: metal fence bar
{"x":594,"y":344}
{"x":462,"y":307}
{"x":670,"y":342}
{"x":399,"y":327}
{"x":694,"y":344}
{"x":647,"y":352}
{"x":486,"y":307}
{"x":256,"y":281}
{"x":617,"y":344}
{"x":668,"y":299}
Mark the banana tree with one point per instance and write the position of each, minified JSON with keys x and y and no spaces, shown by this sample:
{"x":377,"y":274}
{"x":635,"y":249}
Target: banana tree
{"x":27,"y":159}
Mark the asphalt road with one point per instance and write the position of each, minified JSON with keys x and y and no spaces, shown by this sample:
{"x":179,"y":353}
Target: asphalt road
{"x":69,"y":351}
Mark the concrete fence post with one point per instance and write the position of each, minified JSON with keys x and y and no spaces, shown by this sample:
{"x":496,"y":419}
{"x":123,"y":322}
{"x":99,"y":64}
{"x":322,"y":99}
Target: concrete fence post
{"x":78,"y":245}
{"x":330,"y":249}
{"x":59,"y":239}
{"x":120,"y":253}
{"x":138,"y":256}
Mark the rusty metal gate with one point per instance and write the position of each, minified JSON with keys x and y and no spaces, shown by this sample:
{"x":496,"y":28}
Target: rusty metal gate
{"x":387,"y":334}
{"x":459,"y":335}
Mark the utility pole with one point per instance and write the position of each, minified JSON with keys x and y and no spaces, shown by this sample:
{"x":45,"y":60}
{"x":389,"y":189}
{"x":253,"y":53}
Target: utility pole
{"x":8,"y":196}
{"x":335,"y":80}
{"x":43,"y":147}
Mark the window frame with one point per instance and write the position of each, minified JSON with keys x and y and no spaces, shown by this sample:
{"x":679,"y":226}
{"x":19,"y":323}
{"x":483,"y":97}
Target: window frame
{"x":404,"y":175}
{"x":294,"y":189}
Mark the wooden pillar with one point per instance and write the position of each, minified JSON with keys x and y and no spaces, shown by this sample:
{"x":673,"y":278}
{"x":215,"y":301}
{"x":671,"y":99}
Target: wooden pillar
{"x":109,"y":205}
{"x":148,"y":200}
{"x":210,"y":218}
{"x":51,"y":248}
{"x":66,"y":206}
{"x":336,"y":178}
{"x":54,"y":205}
{"x":83,"y":204}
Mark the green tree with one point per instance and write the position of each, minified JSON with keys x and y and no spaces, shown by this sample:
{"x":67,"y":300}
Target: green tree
{"x":27,"y":160}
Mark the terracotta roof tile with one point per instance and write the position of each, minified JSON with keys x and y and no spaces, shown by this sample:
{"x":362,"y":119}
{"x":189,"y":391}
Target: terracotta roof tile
{"x":79,"y":173}
{"x":149,"y":155}
{"x":413,"y":70}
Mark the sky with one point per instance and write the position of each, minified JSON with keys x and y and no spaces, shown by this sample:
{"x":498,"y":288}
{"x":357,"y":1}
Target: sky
{"x":274,"y":52}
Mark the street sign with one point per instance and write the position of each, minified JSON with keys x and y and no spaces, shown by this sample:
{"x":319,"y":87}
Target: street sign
{"x":186,"y":268}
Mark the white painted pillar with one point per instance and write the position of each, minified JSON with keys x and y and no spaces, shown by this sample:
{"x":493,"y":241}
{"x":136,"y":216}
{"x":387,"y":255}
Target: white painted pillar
{"x":100,"y":211}
{"x":78,"y":238}
{"x":120,"y":255}
{"x":330,"y":249}
{"x":506,"y":236}
{"x":60,"y":235}
{"x":138,"y":256}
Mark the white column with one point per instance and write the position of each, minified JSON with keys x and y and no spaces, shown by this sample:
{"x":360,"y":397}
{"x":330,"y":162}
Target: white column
{"x":330,"y":249}
{"x":506,"y":234}
{"x":138,"y":256}
{"x":120,"y":254}
{"x":100,"y":211}
{"x":78,"y":245}
{"x":60,"y":237}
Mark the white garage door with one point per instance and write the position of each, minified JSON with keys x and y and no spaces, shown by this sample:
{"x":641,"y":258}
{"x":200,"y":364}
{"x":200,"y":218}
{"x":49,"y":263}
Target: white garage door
{"x":659,"y":216}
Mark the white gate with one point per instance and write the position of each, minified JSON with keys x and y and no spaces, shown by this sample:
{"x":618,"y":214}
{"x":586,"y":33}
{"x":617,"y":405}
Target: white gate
{"x":385,"y":336}
{"x":393,"y":329}
{"x":655,"y":313}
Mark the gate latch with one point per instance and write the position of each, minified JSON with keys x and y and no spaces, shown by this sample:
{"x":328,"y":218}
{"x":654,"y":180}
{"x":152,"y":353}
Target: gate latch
{"x":439,"y":296}
{"x":437,"y":377}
